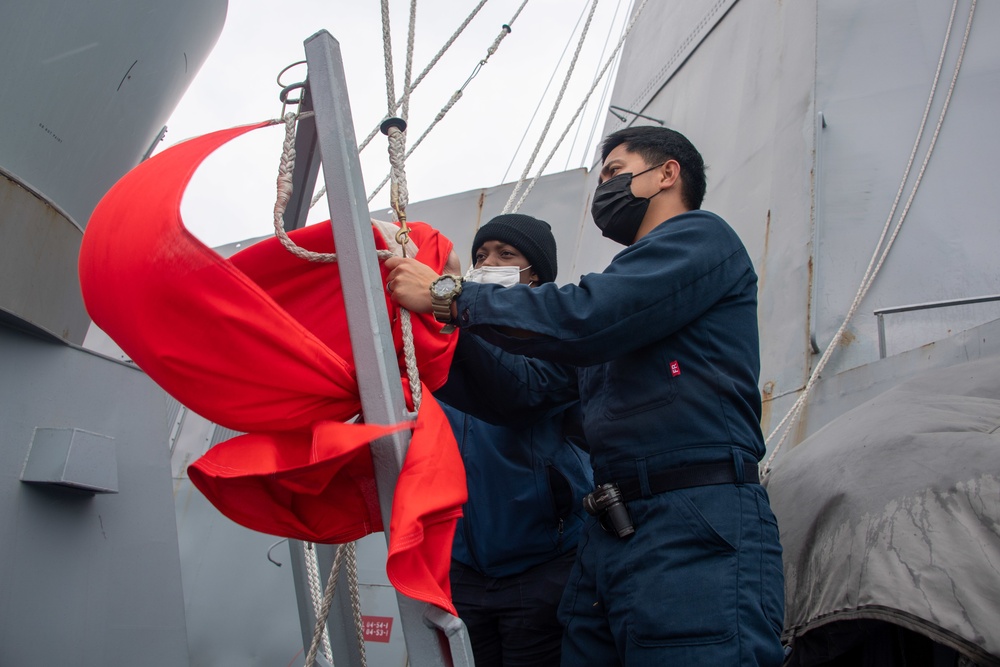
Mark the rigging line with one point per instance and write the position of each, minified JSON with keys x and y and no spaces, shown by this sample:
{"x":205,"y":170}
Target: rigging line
{"x":555,"y":108}
{"x":390,"y":83}
{"x":541,"y":98}
{"x":399,"y":197}
{"x":505,"y":30}
{"x":585,"y":160}
{"x":354,"y":588}
{"x":407,"y":76}
{"x":427,"y":69}
{"x":396,"y":133}
{"x":600,"y":59}
{"x":572,"y":120}
{"x":319,"y":194}
{"x":320,"y":629}
{"x":604,"y":94}
{"x":320,"y":633}
{"x":871,"y":273}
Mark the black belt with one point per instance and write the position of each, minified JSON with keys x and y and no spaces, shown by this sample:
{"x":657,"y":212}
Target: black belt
{"x":686,"y":477}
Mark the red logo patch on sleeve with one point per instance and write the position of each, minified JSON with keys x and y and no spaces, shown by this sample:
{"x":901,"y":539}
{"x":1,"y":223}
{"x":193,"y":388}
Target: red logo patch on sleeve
{"x":675,"y":368}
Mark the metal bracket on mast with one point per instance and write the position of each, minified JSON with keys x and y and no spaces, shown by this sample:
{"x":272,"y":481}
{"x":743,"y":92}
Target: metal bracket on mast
{"x":433,"y":638}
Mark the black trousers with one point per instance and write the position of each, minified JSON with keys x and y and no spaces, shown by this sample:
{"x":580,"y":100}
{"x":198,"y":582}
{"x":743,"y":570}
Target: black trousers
{"x":512,"y":620}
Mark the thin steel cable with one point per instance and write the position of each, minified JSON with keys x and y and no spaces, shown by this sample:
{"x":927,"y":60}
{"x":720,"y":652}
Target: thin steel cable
{"x":878,"y":257}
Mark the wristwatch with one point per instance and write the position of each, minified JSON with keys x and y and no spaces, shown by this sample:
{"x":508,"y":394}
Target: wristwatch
{"x":443,"y":292}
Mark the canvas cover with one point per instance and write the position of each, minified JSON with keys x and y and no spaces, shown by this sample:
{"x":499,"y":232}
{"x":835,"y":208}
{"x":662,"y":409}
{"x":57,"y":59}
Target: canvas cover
{"x":892,"y":512}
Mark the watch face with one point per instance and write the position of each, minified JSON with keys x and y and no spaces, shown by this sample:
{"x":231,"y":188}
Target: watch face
{"x":443,"y":286}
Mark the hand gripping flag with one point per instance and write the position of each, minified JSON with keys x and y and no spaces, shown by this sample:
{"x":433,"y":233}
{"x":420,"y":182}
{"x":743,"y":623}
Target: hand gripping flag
{"x":259,"y":343}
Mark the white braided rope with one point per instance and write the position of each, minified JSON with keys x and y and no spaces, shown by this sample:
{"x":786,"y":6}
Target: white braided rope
{"x":320,"y":632}
{"x":447,"y":107}
{"x":410,"y":89}
{"x":427,"y":69}
{"x":409,"y":354}
{"x":456,"y":96}
{"x":555,"y":107}
{"x":579,"y":110}
{"x":408,"y":72}
{"x":353,"y":587}
{"x":879,"y":256}
{"x":399,"y":194}
{"x":286,"y":166}
{"x":285,"y":169}
{"x":390,"y":83}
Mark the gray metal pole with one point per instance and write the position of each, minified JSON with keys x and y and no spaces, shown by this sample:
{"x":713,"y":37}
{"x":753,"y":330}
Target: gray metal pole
{"x":368,"y":325}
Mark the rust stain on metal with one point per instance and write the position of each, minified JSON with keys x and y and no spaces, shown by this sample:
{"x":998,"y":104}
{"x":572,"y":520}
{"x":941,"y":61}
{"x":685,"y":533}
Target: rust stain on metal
{"x":479,"y":208}
{"x":762,"y":274}
{"x":810,"y":343}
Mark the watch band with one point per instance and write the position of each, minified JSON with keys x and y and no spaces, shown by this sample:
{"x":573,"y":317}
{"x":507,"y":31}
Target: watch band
{"x":441,"y":303}
{"x":442,"y":309}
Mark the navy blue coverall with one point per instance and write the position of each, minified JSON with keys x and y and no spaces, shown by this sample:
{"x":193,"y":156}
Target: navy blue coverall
{"x":666,"y":344}
{"x":516,"y":541}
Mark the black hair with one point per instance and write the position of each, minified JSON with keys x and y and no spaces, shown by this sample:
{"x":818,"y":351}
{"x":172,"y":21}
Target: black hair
{"x":659,"y":144}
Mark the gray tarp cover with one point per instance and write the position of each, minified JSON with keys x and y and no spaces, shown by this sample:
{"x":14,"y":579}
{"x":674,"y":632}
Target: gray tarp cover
{"x":892,"y":512}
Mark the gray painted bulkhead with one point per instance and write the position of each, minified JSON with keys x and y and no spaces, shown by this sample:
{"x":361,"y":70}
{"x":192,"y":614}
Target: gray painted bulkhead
{"x":89,"y":562}
{"x":86,"y":578}
{"x":747,"y":81}
{"x":87,"y":88}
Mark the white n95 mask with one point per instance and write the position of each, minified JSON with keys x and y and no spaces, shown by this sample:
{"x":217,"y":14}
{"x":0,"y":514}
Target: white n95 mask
{"x":507,"y":276}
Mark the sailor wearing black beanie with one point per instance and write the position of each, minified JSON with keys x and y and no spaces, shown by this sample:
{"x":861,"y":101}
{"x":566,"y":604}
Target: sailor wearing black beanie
{"x":531,"y":236}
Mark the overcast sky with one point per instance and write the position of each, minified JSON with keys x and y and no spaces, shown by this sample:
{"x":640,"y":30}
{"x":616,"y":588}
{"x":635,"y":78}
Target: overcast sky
{"x":486,"y":139}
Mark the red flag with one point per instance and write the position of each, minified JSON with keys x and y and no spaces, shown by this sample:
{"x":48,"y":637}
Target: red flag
{"x":258,"y":343}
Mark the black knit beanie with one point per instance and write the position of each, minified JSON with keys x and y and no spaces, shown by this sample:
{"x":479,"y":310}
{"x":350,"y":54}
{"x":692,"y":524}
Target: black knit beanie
{"x":531,"y":236}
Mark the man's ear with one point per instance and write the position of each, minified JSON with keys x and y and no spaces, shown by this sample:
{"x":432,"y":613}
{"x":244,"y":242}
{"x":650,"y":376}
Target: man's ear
{"x":669,"y":173}
{"x":533,"y":279}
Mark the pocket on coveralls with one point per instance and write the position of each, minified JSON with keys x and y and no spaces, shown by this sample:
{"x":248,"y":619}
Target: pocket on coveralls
{"x":682,"y":566}
{"x":637,"y":369}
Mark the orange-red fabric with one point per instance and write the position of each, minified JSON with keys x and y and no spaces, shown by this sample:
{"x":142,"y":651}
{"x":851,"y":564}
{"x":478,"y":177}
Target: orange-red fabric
{"x":258,"y":343}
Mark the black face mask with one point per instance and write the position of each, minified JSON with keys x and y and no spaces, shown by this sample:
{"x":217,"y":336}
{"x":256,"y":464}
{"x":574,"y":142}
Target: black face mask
{"x":617,"y":212}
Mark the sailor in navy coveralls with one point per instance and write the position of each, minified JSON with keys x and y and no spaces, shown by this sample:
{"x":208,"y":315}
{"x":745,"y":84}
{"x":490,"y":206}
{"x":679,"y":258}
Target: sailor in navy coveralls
{"x":666,"y":344}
